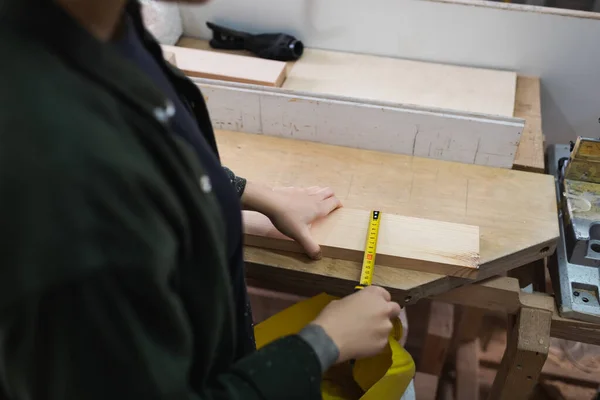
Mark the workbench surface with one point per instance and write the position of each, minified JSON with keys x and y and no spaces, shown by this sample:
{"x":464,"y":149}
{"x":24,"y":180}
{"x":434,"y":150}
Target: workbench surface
{"x":516,"y":211}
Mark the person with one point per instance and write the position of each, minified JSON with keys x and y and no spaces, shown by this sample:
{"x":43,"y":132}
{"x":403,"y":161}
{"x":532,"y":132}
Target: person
{"x":121,"y":257}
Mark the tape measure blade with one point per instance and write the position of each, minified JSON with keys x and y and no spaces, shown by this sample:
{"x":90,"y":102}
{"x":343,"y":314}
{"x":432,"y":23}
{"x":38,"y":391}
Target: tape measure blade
{"x":366,"y":275}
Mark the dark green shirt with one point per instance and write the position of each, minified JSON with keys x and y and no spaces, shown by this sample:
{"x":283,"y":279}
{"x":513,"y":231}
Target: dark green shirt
{"x":113,"y":277}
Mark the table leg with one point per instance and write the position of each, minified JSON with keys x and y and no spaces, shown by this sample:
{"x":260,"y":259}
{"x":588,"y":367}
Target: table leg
{"x":437,"y":342}
{"x":467,"y":352}
{"x":524,"y":357}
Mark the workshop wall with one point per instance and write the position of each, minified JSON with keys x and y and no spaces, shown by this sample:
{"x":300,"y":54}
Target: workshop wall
{"x":561,"y":49}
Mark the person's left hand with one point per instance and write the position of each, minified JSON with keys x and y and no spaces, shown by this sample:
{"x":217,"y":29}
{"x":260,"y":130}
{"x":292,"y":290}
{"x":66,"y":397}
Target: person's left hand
{"x":292,"y":210}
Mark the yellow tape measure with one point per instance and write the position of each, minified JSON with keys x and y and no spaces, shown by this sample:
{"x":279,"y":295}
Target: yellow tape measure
{"x":368,"y":265}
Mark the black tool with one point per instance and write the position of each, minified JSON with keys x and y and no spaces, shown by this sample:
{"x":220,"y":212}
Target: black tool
{"x":274,"y":46}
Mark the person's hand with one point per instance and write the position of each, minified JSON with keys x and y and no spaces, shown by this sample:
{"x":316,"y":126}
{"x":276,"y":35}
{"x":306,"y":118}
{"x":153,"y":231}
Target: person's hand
{"x":360,"y":324}
{"x":292,"y":210}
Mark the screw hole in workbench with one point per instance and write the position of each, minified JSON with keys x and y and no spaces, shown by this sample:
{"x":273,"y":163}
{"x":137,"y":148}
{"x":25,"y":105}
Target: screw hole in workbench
{"x":544,"y":250}
{"x":595,"y":247}
{"x":529,"y":377}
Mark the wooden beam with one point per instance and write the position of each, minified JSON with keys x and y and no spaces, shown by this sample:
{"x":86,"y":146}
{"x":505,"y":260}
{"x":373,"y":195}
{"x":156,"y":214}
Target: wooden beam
{"x":228,"y":67}
{"x":530,"y":153}
{"x":467,"y":370}
{"x":437,"y":342}
{"x":525,"y":354}
{"x":404,"y":242}
{"x":426,"y":386}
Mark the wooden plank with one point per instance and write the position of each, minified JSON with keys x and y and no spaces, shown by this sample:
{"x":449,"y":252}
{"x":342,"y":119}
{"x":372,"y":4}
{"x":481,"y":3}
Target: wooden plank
{"x":237,"y":110}
{"x":524,"y":357}
{"x":467,"y":370}
{"x":514,"y":226}
{"x":404,"y":242}
{"x":473,"y":90}
{"x":294,"y":273}
{"x":379,"y":126}
{"x":228,"y":67}
{"x":530,"y":153}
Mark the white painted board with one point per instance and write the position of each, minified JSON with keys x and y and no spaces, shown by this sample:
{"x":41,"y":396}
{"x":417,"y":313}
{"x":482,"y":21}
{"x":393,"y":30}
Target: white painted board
{"x":400,"y":81}
{"x":379,"y":126}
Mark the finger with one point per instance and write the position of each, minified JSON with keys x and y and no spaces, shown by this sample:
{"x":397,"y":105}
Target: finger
{"x":328,"y":205}
{"x":325,"y":193}
{"x":308,"y":243}
{"x":394,"y":309}
{"x":313,"y":190}
{"x":379,"y":291}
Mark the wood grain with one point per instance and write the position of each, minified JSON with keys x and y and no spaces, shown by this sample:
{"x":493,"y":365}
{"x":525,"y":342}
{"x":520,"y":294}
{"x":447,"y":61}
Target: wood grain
{"x":404,"y":242}
{"x":228,"y":67}
{"x":368,"y":77}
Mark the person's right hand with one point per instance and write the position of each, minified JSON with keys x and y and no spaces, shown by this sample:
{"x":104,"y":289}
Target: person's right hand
{"x":359,"y":324}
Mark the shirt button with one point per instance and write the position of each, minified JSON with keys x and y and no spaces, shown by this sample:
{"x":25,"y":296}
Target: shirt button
{"x":205,"y":184}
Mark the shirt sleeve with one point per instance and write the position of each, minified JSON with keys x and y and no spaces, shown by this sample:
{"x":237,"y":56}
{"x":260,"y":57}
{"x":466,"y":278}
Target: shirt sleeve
{"x":238,"y":182}
{"x":124,"y":335}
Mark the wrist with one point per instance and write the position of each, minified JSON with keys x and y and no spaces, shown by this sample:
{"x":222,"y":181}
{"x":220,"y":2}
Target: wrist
{"x":258,"y":197}
{"x":323,"y":345}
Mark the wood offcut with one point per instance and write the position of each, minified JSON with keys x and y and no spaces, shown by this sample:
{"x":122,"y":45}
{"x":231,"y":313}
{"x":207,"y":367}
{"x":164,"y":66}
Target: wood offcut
{"x":404,"y":242}
{"x":228,"y":67}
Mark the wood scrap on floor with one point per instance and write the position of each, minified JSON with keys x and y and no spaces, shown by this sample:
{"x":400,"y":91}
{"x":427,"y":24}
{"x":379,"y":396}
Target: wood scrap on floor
{"x":474,"y":90}
{"x":404,"y":242}
{"x":228,"y":67}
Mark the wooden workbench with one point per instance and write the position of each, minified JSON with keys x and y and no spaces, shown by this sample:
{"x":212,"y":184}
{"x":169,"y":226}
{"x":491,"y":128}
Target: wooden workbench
{"x":516,"y":227}
{"x":516,"y":212}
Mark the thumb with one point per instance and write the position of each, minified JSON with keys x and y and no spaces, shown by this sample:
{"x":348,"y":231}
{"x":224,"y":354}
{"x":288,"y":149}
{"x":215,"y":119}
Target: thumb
{"x":306,"y":240}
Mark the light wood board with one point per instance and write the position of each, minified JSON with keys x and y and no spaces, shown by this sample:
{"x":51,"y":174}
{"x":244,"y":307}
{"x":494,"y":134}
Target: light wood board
{"x":228,"y":67}
{"x":400,"y":81}
{"x":530,"y":150}
{"x":530,"y":153}
{"x":348,"y":122}
{"x":404,"y":242}
{"x":515,"y":211}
